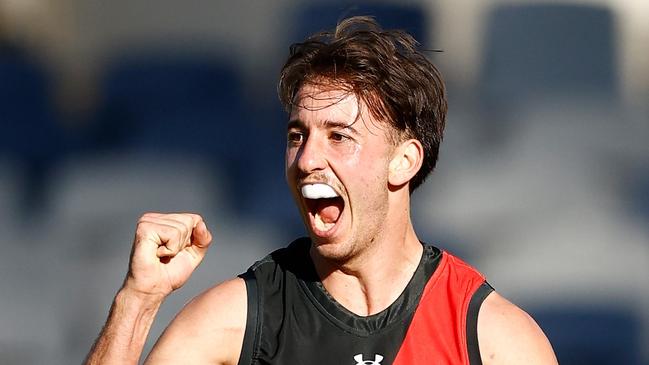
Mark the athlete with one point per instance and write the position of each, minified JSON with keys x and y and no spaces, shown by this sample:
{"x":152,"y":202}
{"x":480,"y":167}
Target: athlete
{"x":366,"y":116}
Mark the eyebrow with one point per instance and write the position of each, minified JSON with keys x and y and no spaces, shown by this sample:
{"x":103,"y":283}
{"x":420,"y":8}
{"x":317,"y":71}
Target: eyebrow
{"x":298,"y":123}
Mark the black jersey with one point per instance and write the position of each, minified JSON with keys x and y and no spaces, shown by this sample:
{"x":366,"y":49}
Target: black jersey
{"x":293,"y":320}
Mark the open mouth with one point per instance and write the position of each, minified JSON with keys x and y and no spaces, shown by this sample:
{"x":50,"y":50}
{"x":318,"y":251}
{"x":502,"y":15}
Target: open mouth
{"x":324,"y":205}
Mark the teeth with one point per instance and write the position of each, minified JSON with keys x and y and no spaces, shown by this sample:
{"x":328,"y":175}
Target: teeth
{"x":318,"y":191}
{"x":322,"y":225}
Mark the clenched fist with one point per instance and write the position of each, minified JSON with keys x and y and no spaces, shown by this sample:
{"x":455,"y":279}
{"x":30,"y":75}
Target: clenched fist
{"x":166,"y":250}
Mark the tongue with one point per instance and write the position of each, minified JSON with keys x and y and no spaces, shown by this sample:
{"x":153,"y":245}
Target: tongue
{"x":329,"y":210}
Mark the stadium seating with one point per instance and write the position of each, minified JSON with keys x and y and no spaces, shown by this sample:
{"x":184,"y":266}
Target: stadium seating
{"x":593,"y":336}
{"x":28,"y":118}
{"x":176,"y":102}
{"x":319,"y":16}
{"x":95,"y":202}
{"x":32,"y":135}
{"x":543,"y":50}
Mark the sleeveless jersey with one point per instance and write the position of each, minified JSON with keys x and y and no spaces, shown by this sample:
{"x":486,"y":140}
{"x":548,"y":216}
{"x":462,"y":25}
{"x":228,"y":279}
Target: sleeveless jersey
{"x":292,"y":319}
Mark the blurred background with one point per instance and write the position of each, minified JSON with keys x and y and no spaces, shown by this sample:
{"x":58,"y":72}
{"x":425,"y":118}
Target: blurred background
{"x":112,"y":108}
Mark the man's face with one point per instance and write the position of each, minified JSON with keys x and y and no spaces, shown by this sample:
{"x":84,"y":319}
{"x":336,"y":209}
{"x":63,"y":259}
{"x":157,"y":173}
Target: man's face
{"x":337,"y":168}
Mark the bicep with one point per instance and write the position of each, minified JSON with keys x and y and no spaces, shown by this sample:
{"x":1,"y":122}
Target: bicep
{"x":209,"y":329}
{"x":508,"y":335}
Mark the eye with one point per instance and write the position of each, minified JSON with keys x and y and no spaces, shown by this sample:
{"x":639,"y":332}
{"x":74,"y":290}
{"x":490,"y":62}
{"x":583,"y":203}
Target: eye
{"x":338,"y":137}
{"x":295,"y":137}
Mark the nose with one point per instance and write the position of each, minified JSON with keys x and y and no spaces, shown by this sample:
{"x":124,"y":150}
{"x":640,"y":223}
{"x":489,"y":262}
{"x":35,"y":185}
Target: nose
{"x":310,"y":157}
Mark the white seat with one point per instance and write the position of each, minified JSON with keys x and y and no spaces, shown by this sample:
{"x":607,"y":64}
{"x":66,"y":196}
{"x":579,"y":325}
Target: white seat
{"x":94,"y":207}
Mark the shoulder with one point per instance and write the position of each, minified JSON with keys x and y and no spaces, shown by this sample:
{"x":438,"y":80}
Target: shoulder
{"x":508,"y":335}
{"x":293,"y":258}
{"x":209,"y":329}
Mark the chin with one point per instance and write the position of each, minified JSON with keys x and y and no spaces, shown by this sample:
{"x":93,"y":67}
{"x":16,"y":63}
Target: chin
{"x":332,"y":250}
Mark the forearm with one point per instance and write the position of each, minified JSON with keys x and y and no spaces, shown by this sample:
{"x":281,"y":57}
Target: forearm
{"x":123,"y":337}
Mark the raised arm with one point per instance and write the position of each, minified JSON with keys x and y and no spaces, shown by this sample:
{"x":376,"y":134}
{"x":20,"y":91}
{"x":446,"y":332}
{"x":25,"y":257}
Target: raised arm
{"x":166,"y":250}
{"x":509,"y":336}
{"x":209,"y":330}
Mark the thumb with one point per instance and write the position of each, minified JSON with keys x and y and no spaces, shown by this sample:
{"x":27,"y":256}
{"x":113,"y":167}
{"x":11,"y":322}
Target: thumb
{"x":201,"y":236}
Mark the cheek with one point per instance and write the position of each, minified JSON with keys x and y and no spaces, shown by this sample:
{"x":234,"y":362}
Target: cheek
{"x":350,"y":155}
{"x":366,"y":158}
{"x":289,"y":162}
{"x":370,"y":171}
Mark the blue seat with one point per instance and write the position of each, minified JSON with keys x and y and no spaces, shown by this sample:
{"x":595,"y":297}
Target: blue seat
{"x":178,"y":103}
{"x":592,"y":335}
{"x":542,"y":50}
{"x":32,"y":135}
{"x":320,"y":16}
{"x":27,"y":116}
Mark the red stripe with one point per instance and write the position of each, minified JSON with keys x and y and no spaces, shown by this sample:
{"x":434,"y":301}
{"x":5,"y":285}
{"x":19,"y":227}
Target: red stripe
{"x":437,"y":333}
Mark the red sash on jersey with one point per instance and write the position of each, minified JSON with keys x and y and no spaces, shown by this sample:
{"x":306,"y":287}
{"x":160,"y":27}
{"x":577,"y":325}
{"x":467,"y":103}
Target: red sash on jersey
{"x":438,"y":329}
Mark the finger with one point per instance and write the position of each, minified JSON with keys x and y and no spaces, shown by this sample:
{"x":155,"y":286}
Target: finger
{"x":201,"y":236}
{"x":191,"y":219}
{"x":173,"y":235}
{"x":186,"y":224}
{"x":197,"y":232}
{"x":185,"y":218}
{"x":164,"y":251}
{"x":195,"y":219}
{"x":151,"y":214}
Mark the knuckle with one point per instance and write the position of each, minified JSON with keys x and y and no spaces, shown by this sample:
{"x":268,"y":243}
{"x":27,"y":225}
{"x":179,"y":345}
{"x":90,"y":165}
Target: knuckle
{"x":145,"y":228}
{"x":192,"y":218}
{"x":142,"y":226}
{"x":186,"y":222}
{"x":172,"y":217}
{"x":189,"y":217}
{"x":179,"y":232}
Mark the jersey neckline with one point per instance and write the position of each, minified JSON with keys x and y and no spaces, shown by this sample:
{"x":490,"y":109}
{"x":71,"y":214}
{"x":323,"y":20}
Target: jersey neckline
{"x":402,"y":308}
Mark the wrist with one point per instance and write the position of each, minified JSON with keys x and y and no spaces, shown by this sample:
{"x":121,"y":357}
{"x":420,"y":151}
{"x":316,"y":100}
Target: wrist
{"x":122,"y":339}
{"x":133,"y":297}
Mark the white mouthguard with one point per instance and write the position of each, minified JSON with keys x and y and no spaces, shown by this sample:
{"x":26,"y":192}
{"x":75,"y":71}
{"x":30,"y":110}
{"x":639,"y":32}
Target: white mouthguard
{"x":318,"y":191}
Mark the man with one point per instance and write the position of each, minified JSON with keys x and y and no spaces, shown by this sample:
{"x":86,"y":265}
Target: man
{"x":366,"y":116}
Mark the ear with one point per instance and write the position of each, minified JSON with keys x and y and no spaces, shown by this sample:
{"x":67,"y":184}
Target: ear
{"x":406,"y":162}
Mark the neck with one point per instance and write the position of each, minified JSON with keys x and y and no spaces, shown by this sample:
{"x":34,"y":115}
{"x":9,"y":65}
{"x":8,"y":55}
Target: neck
{"x":375,"y":277}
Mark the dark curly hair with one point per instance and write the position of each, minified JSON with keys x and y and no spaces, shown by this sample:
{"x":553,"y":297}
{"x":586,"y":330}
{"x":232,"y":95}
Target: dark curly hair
{"x":384,"y":69}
